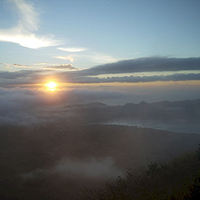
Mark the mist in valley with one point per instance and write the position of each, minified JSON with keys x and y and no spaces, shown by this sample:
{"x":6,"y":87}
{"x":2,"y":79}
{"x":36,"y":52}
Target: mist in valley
{"x":62,"y":150}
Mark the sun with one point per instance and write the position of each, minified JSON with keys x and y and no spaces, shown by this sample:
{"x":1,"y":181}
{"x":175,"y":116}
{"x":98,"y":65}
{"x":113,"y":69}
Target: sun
{"x":51,"y":85}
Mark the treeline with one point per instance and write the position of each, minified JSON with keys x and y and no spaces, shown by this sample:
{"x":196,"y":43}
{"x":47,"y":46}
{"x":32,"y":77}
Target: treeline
{"x":177,"y":180}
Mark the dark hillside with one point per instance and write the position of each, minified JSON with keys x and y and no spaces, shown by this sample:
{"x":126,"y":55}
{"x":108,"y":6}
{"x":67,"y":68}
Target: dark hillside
{"x":58,"y":160}
{"x":176,"y":180}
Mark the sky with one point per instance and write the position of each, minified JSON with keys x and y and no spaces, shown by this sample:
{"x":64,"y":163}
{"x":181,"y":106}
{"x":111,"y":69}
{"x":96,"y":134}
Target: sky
{"x":110,"y":51}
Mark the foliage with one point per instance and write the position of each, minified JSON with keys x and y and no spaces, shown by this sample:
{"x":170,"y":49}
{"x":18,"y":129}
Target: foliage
{"x":155,"y":168}
{"x":198,"y":153}
{"x":177,"y":180}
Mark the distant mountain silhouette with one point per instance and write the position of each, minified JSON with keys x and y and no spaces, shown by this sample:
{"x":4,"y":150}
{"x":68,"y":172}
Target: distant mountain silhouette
{"x":94,"y":104}
{"x":165,"y":110}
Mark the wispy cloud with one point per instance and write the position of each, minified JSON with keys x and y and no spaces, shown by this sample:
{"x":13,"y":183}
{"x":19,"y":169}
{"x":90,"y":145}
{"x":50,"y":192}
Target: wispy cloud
{"x":23,"y":33}
{"x":27,"y":14}
{"x":14,"y":66}
{"x":63,"y":66}
{"x":73,"y":50}
{"x":41,"y":66}
{"x":101,"y":58}
{"x":94,"y":57}
{"x":70,"y":58}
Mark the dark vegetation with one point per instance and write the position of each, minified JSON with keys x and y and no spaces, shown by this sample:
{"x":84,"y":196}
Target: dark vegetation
{"x":29,"y":157}
{"x":176,"y":180}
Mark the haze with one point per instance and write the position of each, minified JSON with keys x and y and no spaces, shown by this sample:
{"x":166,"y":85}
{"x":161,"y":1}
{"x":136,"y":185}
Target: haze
{"x":91,"y":89}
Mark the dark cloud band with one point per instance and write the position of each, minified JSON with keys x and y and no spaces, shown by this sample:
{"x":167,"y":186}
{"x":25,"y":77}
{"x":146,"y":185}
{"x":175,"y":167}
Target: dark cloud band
{"x":149,"y":64}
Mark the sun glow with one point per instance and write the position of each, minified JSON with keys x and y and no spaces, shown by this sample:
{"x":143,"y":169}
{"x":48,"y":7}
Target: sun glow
{"x":51,"y":85}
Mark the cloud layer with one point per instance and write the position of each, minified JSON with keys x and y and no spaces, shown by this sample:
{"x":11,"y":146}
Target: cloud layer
{"x":143,"y":65}
{"x":182,"y":70}
{"x":149,"y":64}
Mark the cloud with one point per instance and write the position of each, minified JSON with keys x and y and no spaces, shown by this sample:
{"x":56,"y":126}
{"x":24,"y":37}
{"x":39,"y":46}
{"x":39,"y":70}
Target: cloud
{"x":149,"y":64}
{"x":98,"y":58}
{"x":72,"y":49}
{"x":70,"y":58}
{"x":63,"y":66}
{"x":23,"y":75}
{"x":41,"y":64}
{"x":44,"y":65}
{"x":26,"y":39}
{"x":9,"y":65}
{"x":94,"y":57}
{"x":22,"y":33}
{"x":72,"y":75}
{"x":14,"y":79}
{"x":24,"y":78}
{"x":18,"y":74}
{"x":136,"y":79}
{"x":28,"y":15}
{"x":47,"y":64}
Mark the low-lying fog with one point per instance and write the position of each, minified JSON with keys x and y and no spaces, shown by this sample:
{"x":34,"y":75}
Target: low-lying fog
{"x":63,"y":149}
{"x":168,"y":125}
